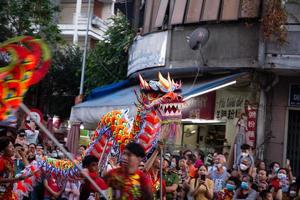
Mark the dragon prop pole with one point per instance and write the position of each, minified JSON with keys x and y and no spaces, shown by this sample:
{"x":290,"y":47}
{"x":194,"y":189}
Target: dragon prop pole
{"x":44,"y":129}
{"x":161,"y":172}
{"x":102,"y":154}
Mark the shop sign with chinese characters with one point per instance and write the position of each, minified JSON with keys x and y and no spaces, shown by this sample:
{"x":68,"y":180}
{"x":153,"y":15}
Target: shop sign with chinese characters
{"x":251,"y":112}
{"x":229,"y":104}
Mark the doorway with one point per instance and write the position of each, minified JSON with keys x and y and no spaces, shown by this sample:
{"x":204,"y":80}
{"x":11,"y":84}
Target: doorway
{"x":293,"y":141}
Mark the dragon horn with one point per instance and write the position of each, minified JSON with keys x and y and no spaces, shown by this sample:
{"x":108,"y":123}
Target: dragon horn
{"x":143,"y":83}
{"x":164,"y":82}
{"x":169,"y":79}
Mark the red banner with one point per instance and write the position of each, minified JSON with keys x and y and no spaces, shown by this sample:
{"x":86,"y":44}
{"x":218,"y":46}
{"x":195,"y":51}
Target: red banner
{"x":251,"y":112}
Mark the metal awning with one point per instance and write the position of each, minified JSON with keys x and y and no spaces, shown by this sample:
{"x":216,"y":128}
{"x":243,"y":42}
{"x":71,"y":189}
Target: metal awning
{"x":213,"y":85}
{"x":90,"y":112}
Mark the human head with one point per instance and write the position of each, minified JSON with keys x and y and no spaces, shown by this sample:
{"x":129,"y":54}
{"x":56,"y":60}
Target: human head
{"x":244,"y":165}
{"x":91,"y":163}
{"x":82,"y":149}
{"x":260,"y":165}
{"x":262,"y":175}
{"x":262,"y":185}
{"x":31,"y":148}
{"x":39,"y":150}
{"x":199,"y":154}
{"x":6,"y":147}
{"x":186,"y":153}
{"x":293,"y":191}
{"x":243,"y":116}
{"x":232,"y":183}
{"x":191,"y":159}
{"x":266,"y":195}
{"x":182,"y":163}
{"x":166,"y":161}
{"x":202,"y":170}
{"x":235,"y":173}
{"x":156,"y":164}
{"x":245,"y":149}
{"x":247,"y":182}
{"x":17,"y":148}
{"x":220,"y":161}
{"x":174,"y":163}
{"x":132,"y":155}
{"x":21,"y":134}
{"x":30,"y":157}
{"x":274,"y":167}
{"x":282,"y":174}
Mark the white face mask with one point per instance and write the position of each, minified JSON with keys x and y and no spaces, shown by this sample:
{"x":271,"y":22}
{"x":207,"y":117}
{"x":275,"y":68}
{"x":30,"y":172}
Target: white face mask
{"x":281,"y":176}
{"x":293,"y":193}
{"x":244,"y":154}
{"x":219,"y":165}
{"x":243,"y":167}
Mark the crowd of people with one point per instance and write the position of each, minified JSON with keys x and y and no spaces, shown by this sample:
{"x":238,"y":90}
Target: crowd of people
{"x":185,"y":174}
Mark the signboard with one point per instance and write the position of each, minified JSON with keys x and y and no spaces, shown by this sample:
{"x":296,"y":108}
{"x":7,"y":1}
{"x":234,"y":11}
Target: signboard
{"x":200,"y":107}
{"x":294,"y":96}
{"x":230,"y":104}
{"x":251,"y":111}
{"x":148,"y":51}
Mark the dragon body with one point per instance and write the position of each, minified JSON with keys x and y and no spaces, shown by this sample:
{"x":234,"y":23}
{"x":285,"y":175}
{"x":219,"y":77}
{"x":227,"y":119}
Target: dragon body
{"x":156,"y":101}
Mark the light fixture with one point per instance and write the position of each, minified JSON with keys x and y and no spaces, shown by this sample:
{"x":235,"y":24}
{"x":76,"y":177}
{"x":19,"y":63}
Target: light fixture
{"x":202,"y":121}
{"x":81,"y":127}
{"x":210,"y":90}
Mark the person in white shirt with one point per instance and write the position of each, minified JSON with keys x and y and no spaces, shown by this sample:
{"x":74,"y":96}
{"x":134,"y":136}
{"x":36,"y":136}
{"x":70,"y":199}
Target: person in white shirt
{"x":32,"y":134}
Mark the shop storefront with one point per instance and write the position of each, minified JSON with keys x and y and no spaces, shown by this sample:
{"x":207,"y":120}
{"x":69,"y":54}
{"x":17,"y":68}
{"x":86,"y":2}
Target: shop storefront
{"x":212,"y":121}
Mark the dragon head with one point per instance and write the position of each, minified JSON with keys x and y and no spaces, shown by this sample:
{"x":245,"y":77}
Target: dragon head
{"x":162,"y":95}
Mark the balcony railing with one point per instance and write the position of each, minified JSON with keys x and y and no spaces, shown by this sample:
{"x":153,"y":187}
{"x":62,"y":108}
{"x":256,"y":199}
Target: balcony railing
{"x":97,"y":26}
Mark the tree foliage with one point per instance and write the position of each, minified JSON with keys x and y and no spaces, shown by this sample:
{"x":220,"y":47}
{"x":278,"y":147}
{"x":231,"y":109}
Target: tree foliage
{"x":107,"y":62}
{"x":29,"y":17}
{"x":55,"y":94}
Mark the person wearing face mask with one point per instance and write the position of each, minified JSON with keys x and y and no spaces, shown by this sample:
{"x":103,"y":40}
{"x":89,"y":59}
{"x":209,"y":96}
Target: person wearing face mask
{"x":274,"y":167}
{"x":219,"y":175}
{"x":171,"y":178}
{"x":282,"y":182}
{"x":192,"y":170}
{"x":245,"y":191}
{"x":292,"y":194}
{"x":201,"y":188}
{"x":228,"y":192}
{"x":245,"y":155}
{"x":244,"y":167}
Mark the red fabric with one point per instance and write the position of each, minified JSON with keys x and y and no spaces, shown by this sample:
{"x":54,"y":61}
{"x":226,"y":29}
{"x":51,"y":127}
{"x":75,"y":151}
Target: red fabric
{"x":128,"y":186}
{"x":275,"y":183}
{"x":155,"y":183}
{"x":53,"y":185}
{"x":99,"y":181}
{"x":6,"y":171}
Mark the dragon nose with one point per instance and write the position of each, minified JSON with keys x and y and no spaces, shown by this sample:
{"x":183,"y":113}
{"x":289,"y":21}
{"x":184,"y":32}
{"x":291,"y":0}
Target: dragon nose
{"x":179,"y":97}
{"x":171,"y":96}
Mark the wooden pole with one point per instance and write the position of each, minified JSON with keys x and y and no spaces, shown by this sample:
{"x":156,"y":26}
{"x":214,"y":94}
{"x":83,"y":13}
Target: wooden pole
{"x":47,"y":132}
{"x":161,"y":172}
{"x":102,"y":154}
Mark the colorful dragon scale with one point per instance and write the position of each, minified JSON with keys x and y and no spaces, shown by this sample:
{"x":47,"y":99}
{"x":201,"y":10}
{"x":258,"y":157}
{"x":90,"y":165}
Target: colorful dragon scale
{"x":157,"y":101}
